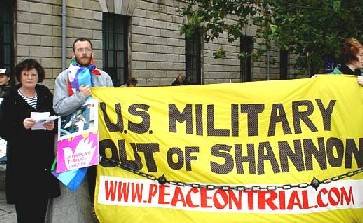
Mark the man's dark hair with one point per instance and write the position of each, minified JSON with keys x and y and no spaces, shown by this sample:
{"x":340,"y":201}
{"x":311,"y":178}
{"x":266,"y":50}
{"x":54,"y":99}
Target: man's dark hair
{"x":81,"y":39}
{"x":132,"y":81}
{"x":29,"y":64}
{"x":180,"y":80}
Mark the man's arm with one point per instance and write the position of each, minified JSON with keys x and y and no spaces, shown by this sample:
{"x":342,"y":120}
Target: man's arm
{"x":104,"y":80}
{"x":109,"y":81}
{"x":63,"y":104}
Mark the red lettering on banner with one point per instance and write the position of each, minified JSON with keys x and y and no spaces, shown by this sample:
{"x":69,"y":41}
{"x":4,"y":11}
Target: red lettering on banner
{"x":175,"y":196}
{"x":347,"y":197}
{"x":250,"y":199}
{"x":188,"y":199}
{"x":263,"y":201}
{"x":305,"y":200}
{"x":204,"y":198}
{"x":224,"y":197}
{"x":110,"y":191}
{"x":282,"y":202}
{"x":137,"y":191}
{"x":233,"y":200}
{"x":178,"y":197}
{"x":333,"y":196}
{"x":152,"y":192}
{"x":123,"y":191}
{"x":162,"y":194}
{"x":294,"y":200}
{"x":320,"y":200}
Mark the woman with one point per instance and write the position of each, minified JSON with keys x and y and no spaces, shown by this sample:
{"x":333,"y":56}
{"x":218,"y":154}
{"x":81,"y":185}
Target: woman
{"x":352,"y":58}
{"x":29,"y":183}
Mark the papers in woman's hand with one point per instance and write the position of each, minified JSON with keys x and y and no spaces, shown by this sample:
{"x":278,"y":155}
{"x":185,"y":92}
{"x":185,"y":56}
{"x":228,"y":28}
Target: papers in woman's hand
{"x":40,"y":118}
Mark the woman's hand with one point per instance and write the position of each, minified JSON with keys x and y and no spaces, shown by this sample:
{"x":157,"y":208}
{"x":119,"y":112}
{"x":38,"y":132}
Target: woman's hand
{"x":28,"y":123}
{"x":49,"y":125}
{"x":360,"y":80}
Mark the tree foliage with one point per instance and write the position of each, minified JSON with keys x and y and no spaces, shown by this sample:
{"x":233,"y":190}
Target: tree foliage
{"x":312,"y":29}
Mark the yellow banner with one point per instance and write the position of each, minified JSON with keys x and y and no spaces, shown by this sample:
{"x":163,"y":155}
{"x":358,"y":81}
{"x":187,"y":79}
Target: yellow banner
{"x":269,"y":151}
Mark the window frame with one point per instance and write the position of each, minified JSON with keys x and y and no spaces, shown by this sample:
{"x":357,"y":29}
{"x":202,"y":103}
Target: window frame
{"x":109,"y":23}
{"x":246,"y":48}
{"x":193,"y":54}
{"x":8,"y":6}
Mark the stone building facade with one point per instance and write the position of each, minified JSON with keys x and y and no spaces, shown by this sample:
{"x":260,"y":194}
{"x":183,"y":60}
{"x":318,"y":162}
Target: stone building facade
{"x":131,"y":38}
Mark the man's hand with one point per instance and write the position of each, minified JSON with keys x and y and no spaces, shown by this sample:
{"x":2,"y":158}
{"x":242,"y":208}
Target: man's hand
{"x":360,"y":80}
{"x":85,"y":90}
{"x":49,"y":125}
{"x":28,"y":123}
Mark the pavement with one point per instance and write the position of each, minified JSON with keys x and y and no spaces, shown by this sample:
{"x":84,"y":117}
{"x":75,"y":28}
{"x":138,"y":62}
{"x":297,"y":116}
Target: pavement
{"x":7,"y":212}
{"x":74,"y":207}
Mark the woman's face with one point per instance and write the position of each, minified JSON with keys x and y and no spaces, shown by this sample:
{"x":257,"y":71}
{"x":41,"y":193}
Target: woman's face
{"x":358,"y":64}
{"x":29,"y":78}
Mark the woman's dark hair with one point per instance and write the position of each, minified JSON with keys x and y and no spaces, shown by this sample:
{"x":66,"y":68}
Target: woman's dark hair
{"x":350,"y":50}
{"x":29,"y":64}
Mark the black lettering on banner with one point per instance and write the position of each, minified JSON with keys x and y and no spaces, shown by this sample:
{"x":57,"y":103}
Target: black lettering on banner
{"x":211,"y":130}
{"x":350,"y":150}
{"x":111,"y":127}
{"x":221,"y":150}
{"x":334,"y":144}
{"x":252,"y":111}
{"x":188,"y":157}
{"x":144,"y":125}
{"x":326,"y":113}
{"x":286,"y":153}
{"x":180,"y":158}
{"x":270,"y":156}
{"x":249,"y":158}
{"x":185,"y":116}
{"x":299,"y":115}
{"x":235,"y":120}
{"x":106,"y":144}
{"x":310,"y":149}
{"x":199,"y":119}
{"x":148,"y":149}
{"x":278,"y":114}
{"x":135,"y":164}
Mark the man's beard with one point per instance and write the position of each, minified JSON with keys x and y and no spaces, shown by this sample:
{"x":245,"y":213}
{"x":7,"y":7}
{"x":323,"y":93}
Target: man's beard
{"x":79,"y":60}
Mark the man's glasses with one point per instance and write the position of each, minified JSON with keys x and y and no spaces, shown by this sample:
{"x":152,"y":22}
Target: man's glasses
{"x":84,"y":50}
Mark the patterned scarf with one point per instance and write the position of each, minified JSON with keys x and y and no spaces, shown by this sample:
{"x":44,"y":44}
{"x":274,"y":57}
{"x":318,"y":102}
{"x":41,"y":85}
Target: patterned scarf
{"x":80,"y":75}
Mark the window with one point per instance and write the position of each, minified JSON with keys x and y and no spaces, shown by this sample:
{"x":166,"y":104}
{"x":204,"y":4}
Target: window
{"x":6,"y":35}
{"x":193,"y":54}
{"x":246,"y":47}
{"x":115,"y":47}
{"x":284,"y":64}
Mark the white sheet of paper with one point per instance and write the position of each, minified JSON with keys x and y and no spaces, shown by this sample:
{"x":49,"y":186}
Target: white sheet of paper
{"x":40,"y":118}
{"x":2,"y":147}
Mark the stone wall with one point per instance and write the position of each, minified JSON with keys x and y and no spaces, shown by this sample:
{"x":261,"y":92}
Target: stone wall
{"x":157,"y":49}
{"x":38,"y":35}
{"x":221,"y":70}
{"x":38,"y":31}
{"x":156,"y":46}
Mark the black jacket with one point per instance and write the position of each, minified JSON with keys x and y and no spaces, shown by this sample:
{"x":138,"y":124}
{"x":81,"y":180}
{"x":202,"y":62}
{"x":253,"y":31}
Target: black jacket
{"x":3,"y":90}
{"x":30,"y":153}
{"x":346,"y":70}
